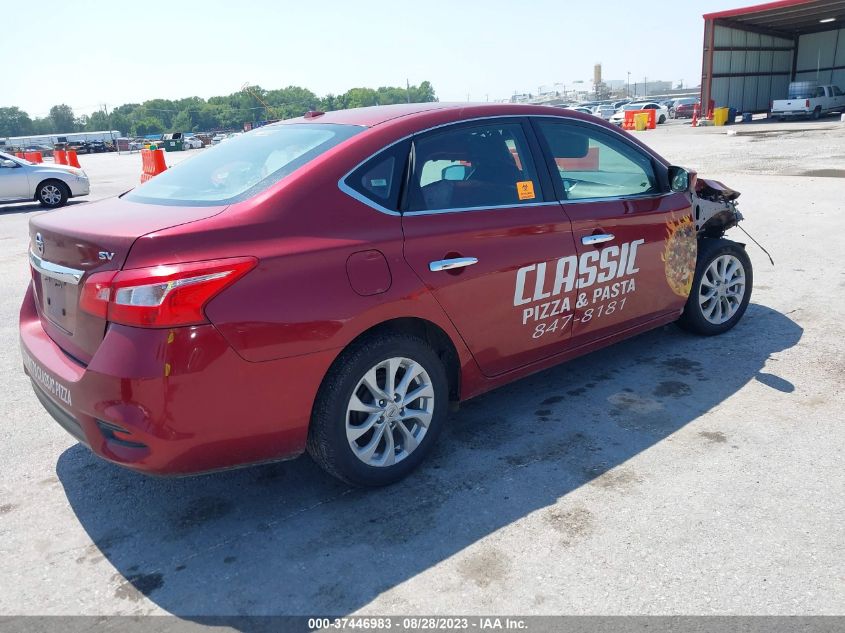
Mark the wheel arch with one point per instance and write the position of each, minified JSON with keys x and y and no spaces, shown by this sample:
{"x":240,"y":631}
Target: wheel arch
{"x":44,"y":181}
{"x":429,"y":332}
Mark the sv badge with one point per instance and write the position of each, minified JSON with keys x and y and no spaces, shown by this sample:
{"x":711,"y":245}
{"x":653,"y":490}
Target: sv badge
{"x":106,"y":256}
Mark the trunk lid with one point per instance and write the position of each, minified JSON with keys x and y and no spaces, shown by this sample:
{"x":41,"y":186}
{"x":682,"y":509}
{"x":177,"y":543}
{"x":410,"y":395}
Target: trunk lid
{"x":67,"y":245}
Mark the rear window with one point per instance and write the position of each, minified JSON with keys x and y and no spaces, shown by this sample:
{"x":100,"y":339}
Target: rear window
{"x":240,"y":167}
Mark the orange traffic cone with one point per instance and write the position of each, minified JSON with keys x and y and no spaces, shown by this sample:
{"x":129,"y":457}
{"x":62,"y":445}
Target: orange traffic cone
{"x":72,"y":160}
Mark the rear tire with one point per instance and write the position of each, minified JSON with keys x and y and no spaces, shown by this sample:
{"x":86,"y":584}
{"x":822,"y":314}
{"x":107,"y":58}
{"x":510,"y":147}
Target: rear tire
{"x":52,"y":194}
{"x":662,"y":119}
{"x":721,"y":288}
{"x":363,"y":428}
{"x":817,"y":113}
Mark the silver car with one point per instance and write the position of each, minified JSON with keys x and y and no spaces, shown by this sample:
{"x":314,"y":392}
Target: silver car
{"x":51,"y":185}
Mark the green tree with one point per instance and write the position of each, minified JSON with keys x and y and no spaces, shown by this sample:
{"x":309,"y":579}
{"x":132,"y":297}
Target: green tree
{"x":182,"y":122}
{"x":99,"y":120}
{"x":147,"y":125}
{"x":62,"y":118}
{"x":361,"y":97}
{"x":43,"y":126}
{"x":120,"y":122}
{"x":424,"y":93}
{"x":14,"y":122}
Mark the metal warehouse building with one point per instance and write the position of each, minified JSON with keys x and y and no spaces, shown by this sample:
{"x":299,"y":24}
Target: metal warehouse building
{"x":751,"y":54}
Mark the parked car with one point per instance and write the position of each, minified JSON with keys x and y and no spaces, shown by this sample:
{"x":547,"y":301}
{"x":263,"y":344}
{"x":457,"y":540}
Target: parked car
{"x":192,"y":142}
{"x":51,"y":185}
{"x":604,"y":112}
{"x":807,"y":99}
{"x":309,"y":287}
{"x":217,"y":138}
{"x":581,"y":109}
{"x":45,"y":150}
{"x":683,"y":108}
{"x":661,"y":114}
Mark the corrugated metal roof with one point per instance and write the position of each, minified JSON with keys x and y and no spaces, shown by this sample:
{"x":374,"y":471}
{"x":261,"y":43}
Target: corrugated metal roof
{"x":790,"y":17}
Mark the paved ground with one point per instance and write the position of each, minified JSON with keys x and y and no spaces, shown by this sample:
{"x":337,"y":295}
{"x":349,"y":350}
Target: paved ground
{"x":667,"y":475}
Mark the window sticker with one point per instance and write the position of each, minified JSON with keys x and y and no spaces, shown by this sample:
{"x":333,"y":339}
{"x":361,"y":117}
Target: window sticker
{"x":525,"y":188}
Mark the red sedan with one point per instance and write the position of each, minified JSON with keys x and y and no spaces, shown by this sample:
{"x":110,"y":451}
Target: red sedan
{"x":332,"y":283}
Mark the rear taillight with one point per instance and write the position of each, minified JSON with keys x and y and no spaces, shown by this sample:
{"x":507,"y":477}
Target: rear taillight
{"x":163,"y":296}
{"x":807,"y":103}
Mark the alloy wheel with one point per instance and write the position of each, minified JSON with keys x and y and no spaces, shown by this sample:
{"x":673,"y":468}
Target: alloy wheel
{"x":51,"y":195}
{"x":389,"y":412}
{"x":722,"y":289}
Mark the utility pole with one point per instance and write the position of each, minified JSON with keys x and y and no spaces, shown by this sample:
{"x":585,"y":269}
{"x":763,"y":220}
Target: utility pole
{"x":408,"y":89}
{"x":645,"y":89}
{"x":629,"y":85}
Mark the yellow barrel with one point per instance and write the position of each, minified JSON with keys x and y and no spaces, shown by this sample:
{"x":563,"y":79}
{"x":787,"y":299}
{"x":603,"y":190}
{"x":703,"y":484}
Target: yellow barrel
{"x":720,"y":116}
{"x":641,"y":121}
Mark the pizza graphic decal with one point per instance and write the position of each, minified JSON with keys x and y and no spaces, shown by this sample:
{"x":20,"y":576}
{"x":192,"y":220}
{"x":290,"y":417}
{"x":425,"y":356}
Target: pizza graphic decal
{"x":679,"y":255}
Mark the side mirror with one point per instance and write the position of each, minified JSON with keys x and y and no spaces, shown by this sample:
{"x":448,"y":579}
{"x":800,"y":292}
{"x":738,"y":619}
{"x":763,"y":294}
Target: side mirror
{"x":454,"y":172}
{"x":8,"y":163}
{"x":679,"y":179}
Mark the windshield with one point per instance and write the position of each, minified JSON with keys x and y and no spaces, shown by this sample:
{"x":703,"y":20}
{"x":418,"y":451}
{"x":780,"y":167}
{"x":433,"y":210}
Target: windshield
{"x":242,"y":166}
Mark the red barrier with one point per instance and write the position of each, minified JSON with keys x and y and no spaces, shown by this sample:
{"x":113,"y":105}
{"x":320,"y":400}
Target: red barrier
{"x":152,"y":163}
{"x":72,"y":160}
{"x":34,"y":157}
{"x":60,"y":157}
{"x":20,"y":155}
{"x":628,"y":123}
{"x":590,"y":162}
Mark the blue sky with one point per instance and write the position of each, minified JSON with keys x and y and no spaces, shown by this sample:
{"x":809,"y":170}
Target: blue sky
{"x":119,"y":52}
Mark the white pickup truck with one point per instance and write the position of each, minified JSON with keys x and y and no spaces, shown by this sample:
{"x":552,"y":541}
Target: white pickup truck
{"x":808,"y":99}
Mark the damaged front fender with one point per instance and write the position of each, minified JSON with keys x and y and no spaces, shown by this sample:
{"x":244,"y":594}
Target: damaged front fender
{"x":714,"y":207}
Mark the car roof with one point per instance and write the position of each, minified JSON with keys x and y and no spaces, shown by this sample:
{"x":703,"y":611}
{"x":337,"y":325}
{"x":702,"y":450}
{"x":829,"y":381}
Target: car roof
{"x":376,"y":115}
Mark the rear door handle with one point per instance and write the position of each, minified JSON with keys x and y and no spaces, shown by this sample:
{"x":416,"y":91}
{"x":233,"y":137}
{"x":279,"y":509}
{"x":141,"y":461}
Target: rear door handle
{"x":590,"y":240}
{"x":450,"y":264}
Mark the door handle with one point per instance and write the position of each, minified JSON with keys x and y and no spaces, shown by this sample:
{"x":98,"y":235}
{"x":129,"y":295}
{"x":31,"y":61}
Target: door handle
{"x":591,"y":240}
{"x":451,"y":264}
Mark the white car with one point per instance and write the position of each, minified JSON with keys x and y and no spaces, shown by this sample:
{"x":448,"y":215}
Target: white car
{"x":217,"y":138}
{"x":51,"y":185}
{"x":191,"y":142}
{"x":660,"y":116}
{"x":604,"y":111}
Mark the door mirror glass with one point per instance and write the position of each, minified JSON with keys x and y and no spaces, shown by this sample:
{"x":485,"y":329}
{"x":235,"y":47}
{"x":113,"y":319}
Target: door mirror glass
{"x":679,"y":179}
{"x":454,"y":172}
{"x":8,"y":163}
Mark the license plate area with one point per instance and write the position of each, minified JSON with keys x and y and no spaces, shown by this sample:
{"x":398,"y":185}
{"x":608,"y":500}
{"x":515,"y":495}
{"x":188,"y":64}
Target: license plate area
{"x":58,"y":302}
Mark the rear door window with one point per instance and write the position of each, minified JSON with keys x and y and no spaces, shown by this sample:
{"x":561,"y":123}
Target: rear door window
{"x":473,"y":166}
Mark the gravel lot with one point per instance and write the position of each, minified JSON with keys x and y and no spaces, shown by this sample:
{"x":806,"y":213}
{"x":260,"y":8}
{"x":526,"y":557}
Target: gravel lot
{"x":666,"y":475}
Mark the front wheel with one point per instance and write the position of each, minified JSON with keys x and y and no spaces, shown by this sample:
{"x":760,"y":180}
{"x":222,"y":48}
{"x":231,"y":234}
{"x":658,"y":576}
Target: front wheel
{"x":721,"y":288}
{"x":662,"y":119}
{"x":52,"y":194}
{"x":379,"y":410}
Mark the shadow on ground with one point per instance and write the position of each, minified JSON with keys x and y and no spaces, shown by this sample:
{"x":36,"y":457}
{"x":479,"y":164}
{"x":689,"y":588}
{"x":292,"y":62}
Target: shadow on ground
{"x":29,"y":207}
{"x":287,"y":539}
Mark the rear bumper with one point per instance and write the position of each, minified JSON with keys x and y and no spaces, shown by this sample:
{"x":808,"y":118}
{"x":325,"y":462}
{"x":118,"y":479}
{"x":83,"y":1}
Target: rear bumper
{"x":173,"y":402}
